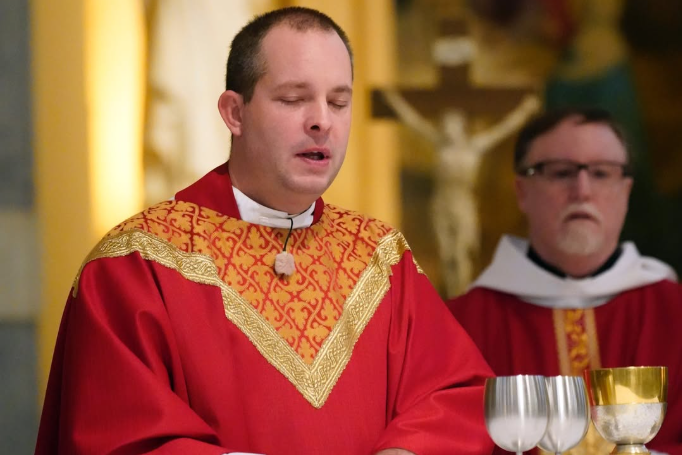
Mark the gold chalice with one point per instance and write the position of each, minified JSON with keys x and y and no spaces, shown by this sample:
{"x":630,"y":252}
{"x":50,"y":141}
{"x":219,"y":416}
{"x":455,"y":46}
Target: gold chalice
{"x":628,"y":405}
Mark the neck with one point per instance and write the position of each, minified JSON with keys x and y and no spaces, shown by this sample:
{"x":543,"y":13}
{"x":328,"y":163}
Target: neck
{"x":253,"y":212}
{"x":275,"y":200}
{"x":575,"y":266}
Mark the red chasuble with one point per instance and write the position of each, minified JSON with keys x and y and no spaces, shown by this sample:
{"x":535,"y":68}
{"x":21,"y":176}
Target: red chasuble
{"x":640,"y":326}
{"x":178,"y":338}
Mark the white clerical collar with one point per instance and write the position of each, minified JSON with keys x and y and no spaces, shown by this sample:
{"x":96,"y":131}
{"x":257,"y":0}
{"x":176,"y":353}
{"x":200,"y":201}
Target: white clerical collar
{"x":512,"y":272}
{"x":253,"y":212}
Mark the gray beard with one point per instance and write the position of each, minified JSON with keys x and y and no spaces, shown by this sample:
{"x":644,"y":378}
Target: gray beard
{"x":580,"y":241}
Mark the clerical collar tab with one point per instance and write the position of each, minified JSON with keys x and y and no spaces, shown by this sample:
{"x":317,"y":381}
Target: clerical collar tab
{"x":253,"y":212}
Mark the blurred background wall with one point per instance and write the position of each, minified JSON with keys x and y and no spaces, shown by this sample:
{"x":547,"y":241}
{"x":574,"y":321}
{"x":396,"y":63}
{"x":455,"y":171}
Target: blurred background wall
{"x":109,"y":106}
{"x":19,"y":260}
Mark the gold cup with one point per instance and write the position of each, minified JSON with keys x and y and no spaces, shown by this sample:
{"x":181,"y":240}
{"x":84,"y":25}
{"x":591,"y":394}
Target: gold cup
{"x":628,"y":405}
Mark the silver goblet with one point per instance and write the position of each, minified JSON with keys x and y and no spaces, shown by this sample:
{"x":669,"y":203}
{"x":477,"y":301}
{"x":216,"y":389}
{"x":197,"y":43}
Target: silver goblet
{"x":569,"y":416}
{"x":516,"y":411}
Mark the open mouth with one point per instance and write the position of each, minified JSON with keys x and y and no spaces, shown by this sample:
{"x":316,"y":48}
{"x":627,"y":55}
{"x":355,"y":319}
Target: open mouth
{"x":314,"y":155}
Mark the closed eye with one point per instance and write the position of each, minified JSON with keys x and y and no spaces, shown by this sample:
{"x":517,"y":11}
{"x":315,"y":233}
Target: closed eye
{"x":291,"y":101}
{"x":562,"y":174}
{"x":601,"y":174}
{"x":338,"y":104}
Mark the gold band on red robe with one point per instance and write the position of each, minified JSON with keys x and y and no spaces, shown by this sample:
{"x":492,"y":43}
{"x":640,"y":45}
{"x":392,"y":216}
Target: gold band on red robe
{"x":305,"y":325}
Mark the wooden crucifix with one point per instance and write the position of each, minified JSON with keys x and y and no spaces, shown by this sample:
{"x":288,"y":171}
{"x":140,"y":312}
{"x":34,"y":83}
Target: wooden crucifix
{"x":455,"y":90}
{"x":460,"y":152}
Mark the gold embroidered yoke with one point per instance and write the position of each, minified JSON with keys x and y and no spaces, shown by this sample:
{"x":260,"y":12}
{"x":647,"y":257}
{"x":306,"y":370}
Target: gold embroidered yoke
{"x":307,"y":324}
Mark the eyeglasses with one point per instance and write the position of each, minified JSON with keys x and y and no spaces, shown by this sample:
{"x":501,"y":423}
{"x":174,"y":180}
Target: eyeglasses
{"x":566,"y":171}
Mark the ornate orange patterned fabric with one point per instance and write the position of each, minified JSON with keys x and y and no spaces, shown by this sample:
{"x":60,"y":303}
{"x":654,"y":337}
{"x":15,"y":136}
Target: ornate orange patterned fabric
{"x":330,"y":258}
{"x":577,"y":344}
{"x":576,"y":337}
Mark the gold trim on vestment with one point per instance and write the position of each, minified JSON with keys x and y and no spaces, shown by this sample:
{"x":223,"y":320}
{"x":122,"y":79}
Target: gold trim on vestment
{"x":196,"y":267}
{"x":561,"y":344}
{"x":578,"y":349}
{"x":315,"y":381}
{"x":592,"y":339}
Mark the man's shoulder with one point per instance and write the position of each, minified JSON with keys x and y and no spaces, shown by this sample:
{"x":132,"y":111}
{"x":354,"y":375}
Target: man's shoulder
{"x":480,"y":304}
{"x":172,"y":218}
{"x":481,"y":296}
{"x":365,"y":235}
{"x":167,"y":228}
{"x":664,"y":289}
{"x":356,"y":222}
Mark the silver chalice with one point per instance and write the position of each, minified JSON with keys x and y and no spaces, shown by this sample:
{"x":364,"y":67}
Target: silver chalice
{"x":569,"y":416}
{"x":516,"y":411}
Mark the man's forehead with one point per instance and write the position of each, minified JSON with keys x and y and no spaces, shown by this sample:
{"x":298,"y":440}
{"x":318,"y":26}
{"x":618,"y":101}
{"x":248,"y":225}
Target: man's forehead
{"x":303,"y":85}
{"x":575,"y":140}
{"x":569,"y":124}
{"x":284,"y":67}
{"x":573,"y":135}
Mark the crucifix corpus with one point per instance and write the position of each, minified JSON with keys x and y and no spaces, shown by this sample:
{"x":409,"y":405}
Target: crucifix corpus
{"x":459,"y":152}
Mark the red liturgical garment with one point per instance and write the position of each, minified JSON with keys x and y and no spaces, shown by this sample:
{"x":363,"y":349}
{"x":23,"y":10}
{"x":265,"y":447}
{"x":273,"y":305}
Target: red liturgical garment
{"x":179,"y":338}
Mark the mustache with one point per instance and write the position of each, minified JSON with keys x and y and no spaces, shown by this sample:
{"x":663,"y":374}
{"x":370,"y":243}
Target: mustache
{"x":587,"y":209}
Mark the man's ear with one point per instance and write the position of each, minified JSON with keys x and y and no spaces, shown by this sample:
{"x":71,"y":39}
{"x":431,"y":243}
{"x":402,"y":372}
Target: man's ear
{"x":230,"y":106}
{"x":520,"y":189}
{"x":628,"y":183}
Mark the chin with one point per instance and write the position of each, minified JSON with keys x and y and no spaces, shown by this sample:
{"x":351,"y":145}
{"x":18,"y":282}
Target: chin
{"x":310,"y":185}
{"x":581,"y":241}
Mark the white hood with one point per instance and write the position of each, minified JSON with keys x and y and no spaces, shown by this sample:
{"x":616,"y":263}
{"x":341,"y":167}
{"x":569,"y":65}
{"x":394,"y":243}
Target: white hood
{"x":512,"y":272}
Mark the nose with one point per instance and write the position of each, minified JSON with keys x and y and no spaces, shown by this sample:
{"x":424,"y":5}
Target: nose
{"x":582,"y":187}
{"x":318,"y":121}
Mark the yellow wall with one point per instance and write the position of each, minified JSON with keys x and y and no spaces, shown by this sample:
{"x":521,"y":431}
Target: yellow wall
{"x":114,"y":69}
{"x":87,"y":79}
{"x":61,"y":157}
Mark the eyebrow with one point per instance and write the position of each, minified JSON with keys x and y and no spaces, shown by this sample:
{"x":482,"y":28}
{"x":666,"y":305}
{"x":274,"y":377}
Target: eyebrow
{"x":304,"y":85}
{"x":343,"y":89}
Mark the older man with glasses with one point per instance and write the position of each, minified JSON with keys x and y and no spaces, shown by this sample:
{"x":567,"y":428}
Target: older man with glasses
{"x":572,"y":297}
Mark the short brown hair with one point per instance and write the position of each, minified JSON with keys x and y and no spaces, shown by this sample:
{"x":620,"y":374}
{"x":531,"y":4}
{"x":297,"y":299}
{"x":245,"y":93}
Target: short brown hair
{"x":545,"y":122}
{"x":245,"y":64}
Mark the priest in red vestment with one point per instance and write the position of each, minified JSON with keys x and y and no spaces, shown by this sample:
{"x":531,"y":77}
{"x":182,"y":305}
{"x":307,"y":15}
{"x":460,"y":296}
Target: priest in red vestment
{"x":571,"y":297}
{"x":248,"y":316}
